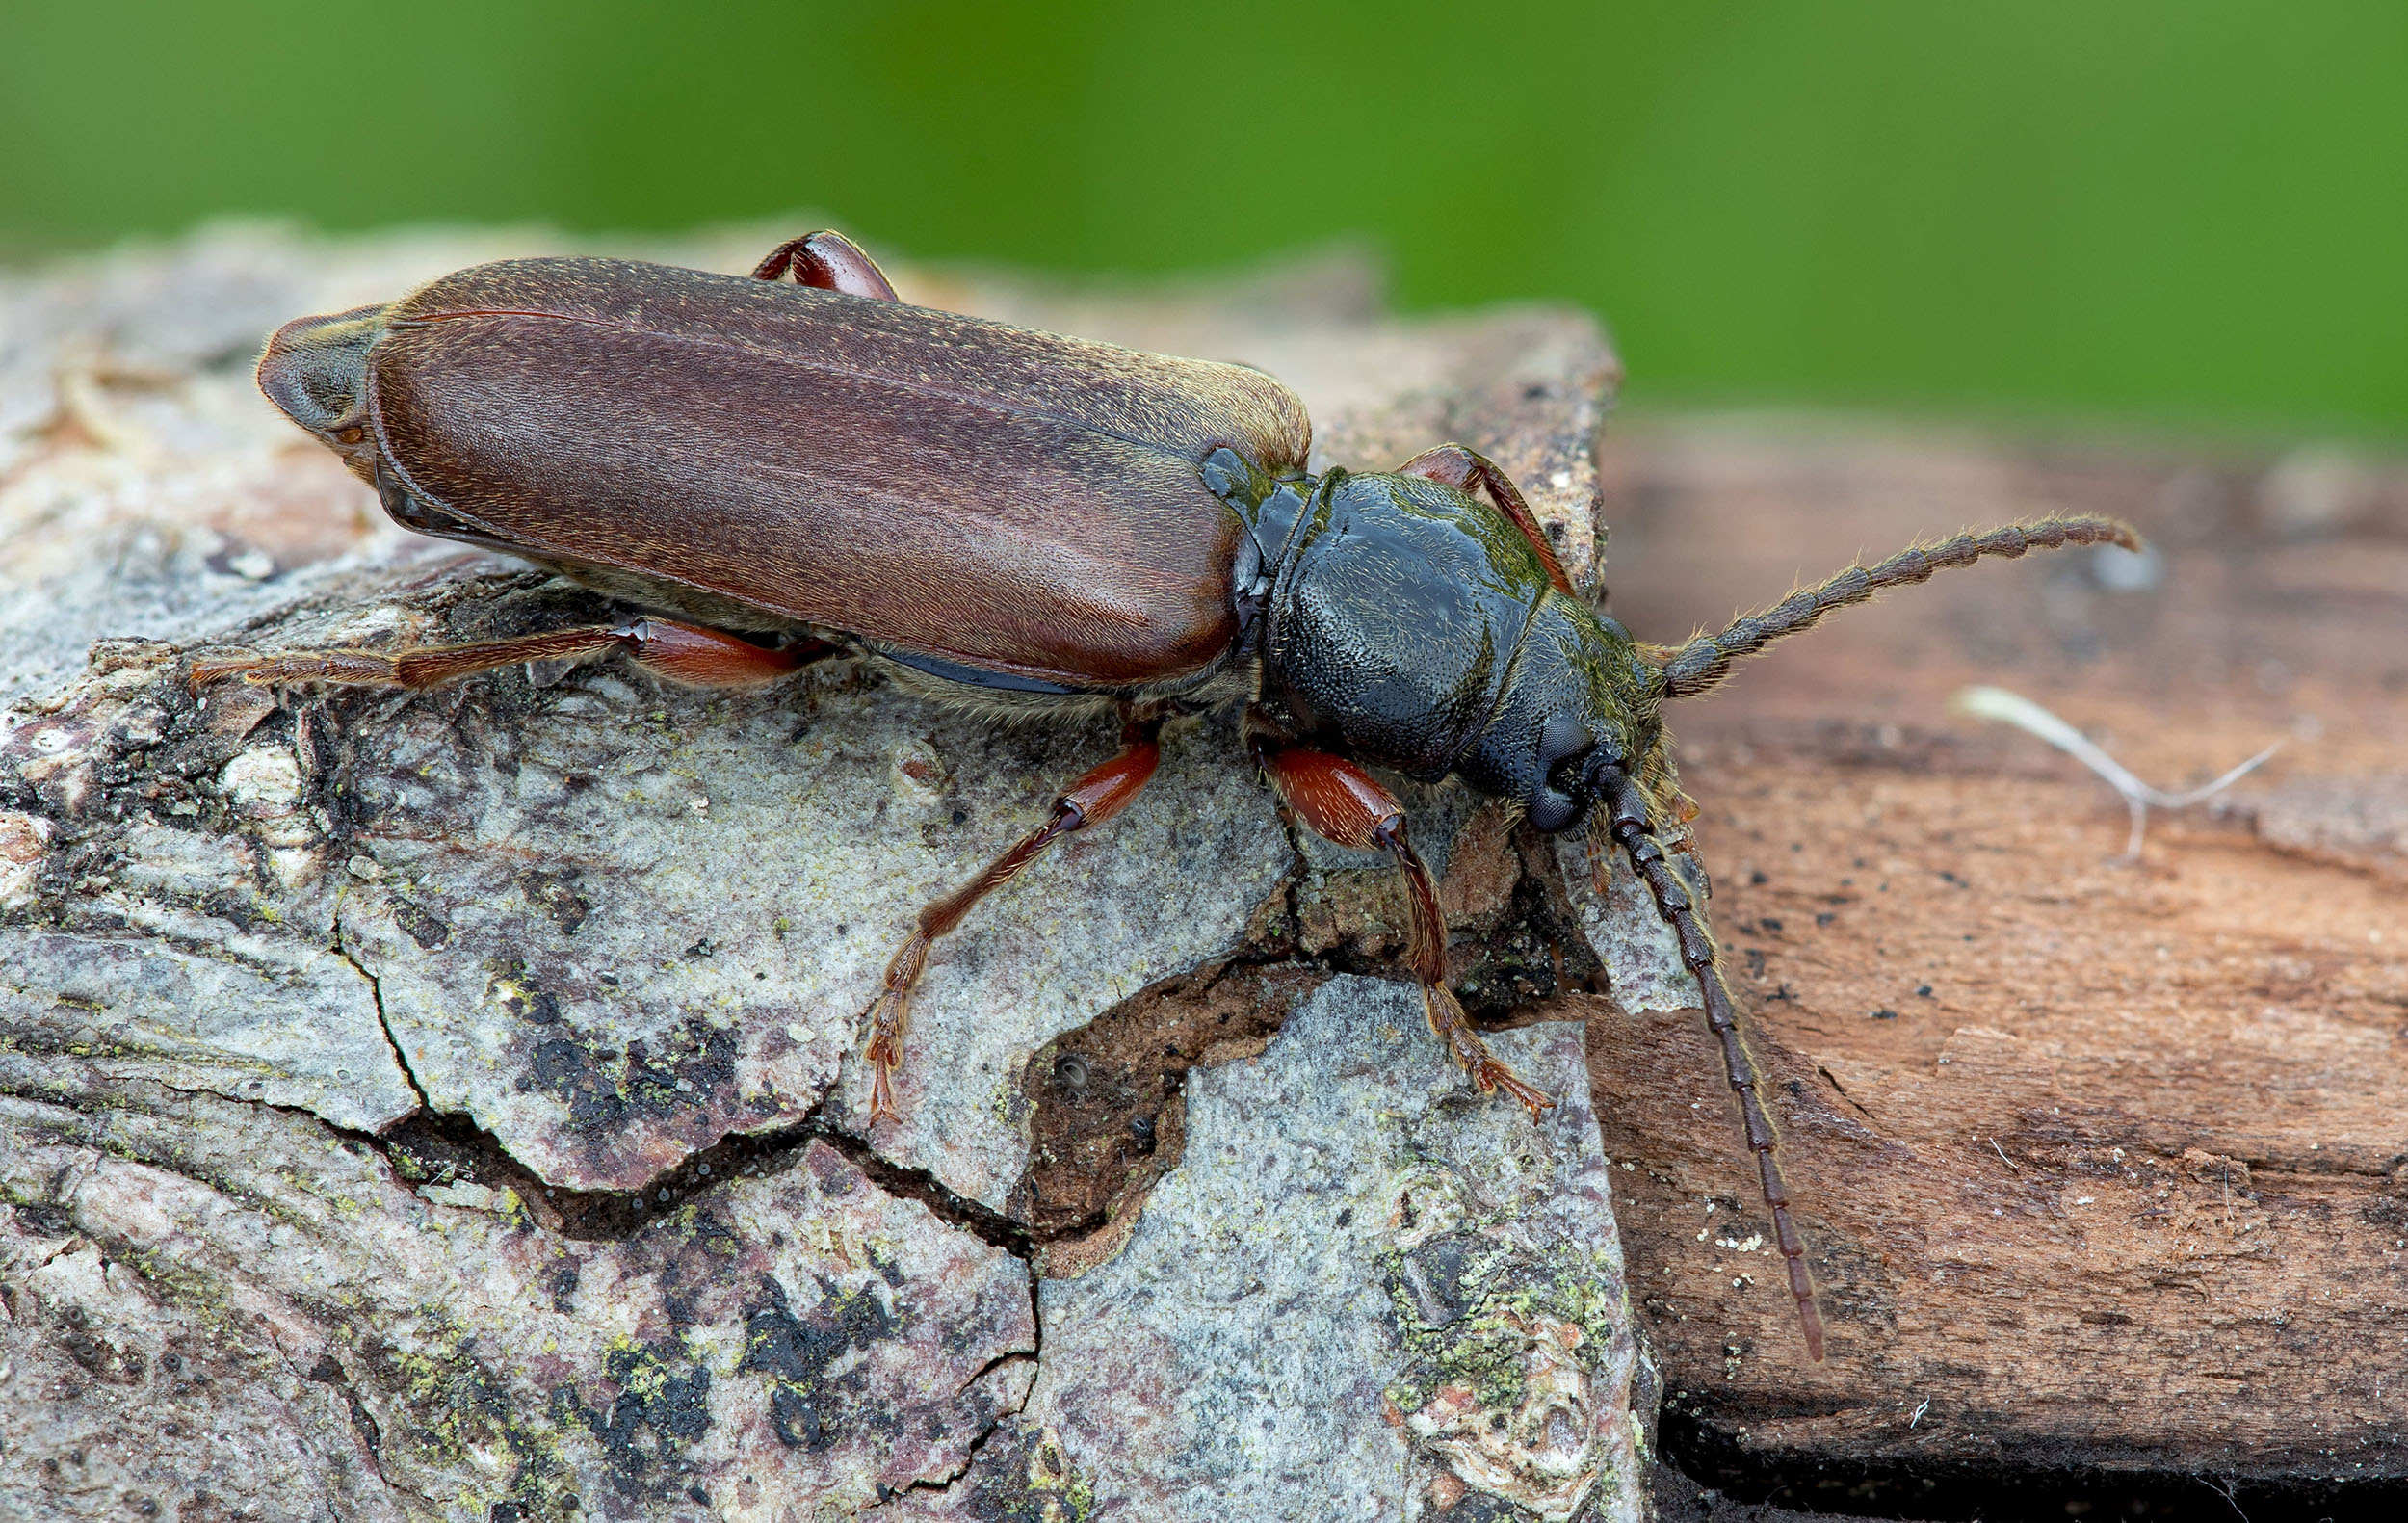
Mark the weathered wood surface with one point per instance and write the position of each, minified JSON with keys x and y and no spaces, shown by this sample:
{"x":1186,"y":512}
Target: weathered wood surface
{"x":449,"y":1104}
{"x":2103,"y":1165}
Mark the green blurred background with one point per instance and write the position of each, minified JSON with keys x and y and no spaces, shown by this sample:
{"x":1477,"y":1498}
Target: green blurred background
{"x":2191,"y":214}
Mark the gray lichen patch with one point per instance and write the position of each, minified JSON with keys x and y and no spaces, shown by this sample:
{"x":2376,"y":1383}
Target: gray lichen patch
{"x":1363,"y":1278}
{"x":432,"y":1359}
{"x":169,"y":926}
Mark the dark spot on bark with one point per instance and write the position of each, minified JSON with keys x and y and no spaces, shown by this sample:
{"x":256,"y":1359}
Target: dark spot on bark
{"x":807,"y":1409}
{"x":49,"y":1222}
{"x":327,"y":1372}
{"x":555,"y":895}
{"x":1432,"y":1277}
{"x":423,"y":927}
{"x":660,"y":1389}
{"x":570,"y":1072}
{"x":515,"y":990}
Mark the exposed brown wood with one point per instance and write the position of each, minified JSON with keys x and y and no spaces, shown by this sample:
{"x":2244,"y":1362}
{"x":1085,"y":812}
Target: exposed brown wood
{"x":2102,"y":1163}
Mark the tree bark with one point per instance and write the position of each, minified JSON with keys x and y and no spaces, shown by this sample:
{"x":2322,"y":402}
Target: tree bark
{"x":449,"y":1104}
{"x":2102,"y":1162}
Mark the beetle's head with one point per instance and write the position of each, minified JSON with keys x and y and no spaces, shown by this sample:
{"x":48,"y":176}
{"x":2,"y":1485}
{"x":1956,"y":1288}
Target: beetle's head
{"x":1583,"y":699}
{"x":315,"y":370}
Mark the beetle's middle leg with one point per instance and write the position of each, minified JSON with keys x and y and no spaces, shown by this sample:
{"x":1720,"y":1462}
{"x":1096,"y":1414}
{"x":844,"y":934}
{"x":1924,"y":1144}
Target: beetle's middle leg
{"x":1090,"y":800}
{"x":1339,"y":801}
{"x":684,"y":653}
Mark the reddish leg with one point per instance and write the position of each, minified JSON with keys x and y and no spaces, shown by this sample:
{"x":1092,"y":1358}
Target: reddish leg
{"x":1340,"y":802}
{"x":1625,"y":806}
{"x":700,"y":658}
{"x":1090,"y":800}
{"x":828,"y":261}
{"x":1454,"y":465}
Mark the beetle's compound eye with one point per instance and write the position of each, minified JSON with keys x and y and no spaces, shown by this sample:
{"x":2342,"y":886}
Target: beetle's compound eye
{"x":1562,"y":743}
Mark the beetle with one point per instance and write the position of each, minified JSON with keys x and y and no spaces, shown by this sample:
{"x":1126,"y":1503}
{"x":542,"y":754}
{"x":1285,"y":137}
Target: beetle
{"x":799,"y":467}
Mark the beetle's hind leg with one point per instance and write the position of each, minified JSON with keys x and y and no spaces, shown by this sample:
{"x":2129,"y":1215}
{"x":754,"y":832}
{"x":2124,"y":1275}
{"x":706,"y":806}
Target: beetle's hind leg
{"x":1340,"y":802}
{"x":683,"y":654}
{"x":1092,"y":799}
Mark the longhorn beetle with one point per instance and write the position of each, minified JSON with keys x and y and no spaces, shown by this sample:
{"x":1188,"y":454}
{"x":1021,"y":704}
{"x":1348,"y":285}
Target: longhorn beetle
{"x":801,"y":469}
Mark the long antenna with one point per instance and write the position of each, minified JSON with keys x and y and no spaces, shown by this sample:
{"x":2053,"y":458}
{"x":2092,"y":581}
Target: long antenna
{"x":1631,"y":829}
{"x":1705,"y":660}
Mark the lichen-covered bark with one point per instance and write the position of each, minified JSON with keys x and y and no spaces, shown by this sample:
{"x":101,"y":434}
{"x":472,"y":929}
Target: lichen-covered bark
{"x":448,"y":1105}
{"x":1402,"y":1287}
{"x":236,"y":1305}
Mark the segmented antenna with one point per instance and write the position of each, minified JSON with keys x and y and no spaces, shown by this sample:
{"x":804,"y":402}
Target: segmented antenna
{"x":1629,"y":824}
{"x":1705,"y":660}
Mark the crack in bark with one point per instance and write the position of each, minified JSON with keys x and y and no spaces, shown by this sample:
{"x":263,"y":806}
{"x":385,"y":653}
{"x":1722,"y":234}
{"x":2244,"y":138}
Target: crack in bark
{"x":384,"y":1022}
{"x":986,"y":1224}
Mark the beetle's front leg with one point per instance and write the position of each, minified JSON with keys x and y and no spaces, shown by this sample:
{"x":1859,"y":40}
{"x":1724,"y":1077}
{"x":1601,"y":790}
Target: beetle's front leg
{"x":684,"y":653}
{"x":1339,"y":801}
{"x":1090,"y":800}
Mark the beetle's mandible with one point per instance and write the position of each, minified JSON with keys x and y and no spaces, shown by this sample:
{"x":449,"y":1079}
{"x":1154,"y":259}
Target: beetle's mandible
{"x":800,"y":469}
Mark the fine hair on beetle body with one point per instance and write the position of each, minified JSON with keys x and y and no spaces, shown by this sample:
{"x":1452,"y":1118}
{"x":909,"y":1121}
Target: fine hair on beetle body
{"x":796,"y":464}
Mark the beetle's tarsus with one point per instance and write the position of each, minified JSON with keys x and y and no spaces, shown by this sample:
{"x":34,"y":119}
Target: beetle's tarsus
{"x":887,"y":1016}
{"x":1470,"y":1054}
{"x":882,"y":1106}
{"x":1497,"y":1076}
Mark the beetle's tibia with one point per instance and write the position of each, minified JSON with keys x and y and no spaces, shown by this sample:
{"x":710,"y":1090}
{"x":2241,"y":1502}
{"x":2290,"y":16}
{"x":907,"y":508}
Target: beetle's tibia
{"x":683,"y":654}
